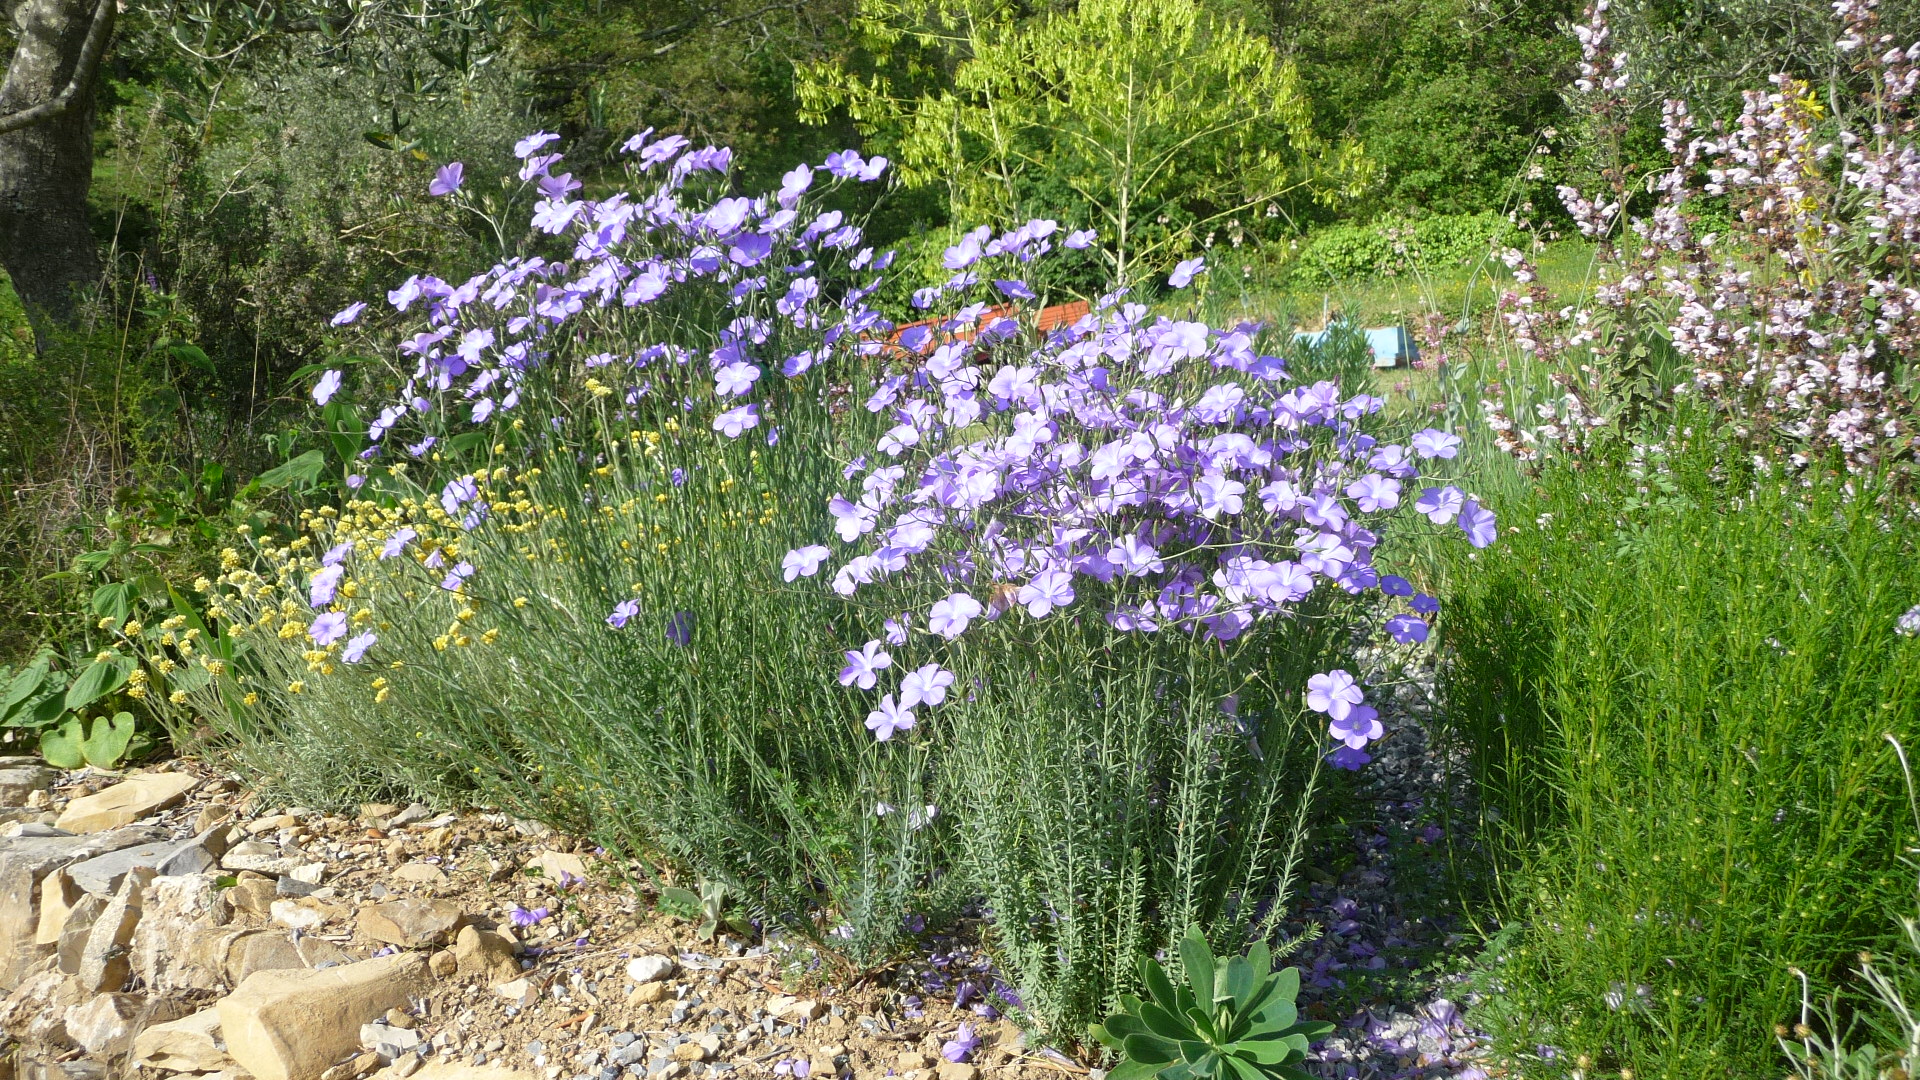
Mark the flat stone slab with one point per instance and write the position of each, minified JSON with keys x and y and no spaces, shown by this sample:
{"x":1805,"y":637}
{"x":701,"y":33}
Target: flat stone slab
{"x":126,"y":802}
{"x":24,"y":861}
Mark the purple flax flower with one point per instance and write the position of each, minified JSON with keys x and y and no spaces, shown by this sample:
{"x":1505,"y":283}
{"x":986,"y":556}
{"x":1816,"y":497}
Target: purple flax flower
{"x":1477,"y":522}
{"x":949,"y":617}
{"x":328,"y":628}
{"x":1334,"y":693}
{"x":734,"y":422}
{"x":328,"y":386}
{"x":1407,"y":629}
{"x":1358,"y":728}
{"x":680,"y":628}
{"x":962,"y":1045}
{"x":525,"y":917}
{"x":337,"y":554}
{"x":1373,"y":493}
{"x":1909,"y":624}
{"x":347,"y":314}
{"x":889,"y":718}
{"x":1048,"y":590}
{"x":1424,"y":604}
{"x":324,"y":583}
{"x":1440,"y":504}
{"x":1218,"y":495}
{"x":1395,"y":585}
{"x":623,"y":611}
{"x":457,"y":577}
{"x":898,"y":628}
{"x":1346,"y":757}
{"x":1183,"y":274}
{"x":397,"y":543}
{"x":1081,"y":239}
{"x":864,"y":667}
{"x":447,"y":180}
{"x":532,"y":143}
{"x":802,"y":562}
{"x":925,"y":685}
{"x":357,"y":646}
{"x":735,"y":378}
{"x":1433,"y":443}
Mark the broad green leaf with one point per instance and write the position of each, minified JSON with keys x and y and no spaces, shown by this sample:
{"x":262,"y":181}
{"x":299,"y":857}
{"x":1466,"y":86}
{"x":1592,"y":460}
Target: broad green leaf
{"x":1260,"y":958}
{"x":1121,"y":1025}
{"x":1278,"y":1014}
{"x":1158,"y":985}
{"x":193,"y":356}
{"x":1132,"y":1070}
{"x":106,"y":743}
{"x":1198,"y":960}
{"x":113,"y":601}
{"x":1242,"y":1069}
{"x":304,"y":470}
{"x":1150,"y":1048}
{"x":682,"y":902}
{"x":1269,"y":1051}
{"x":1204,"y":1062}
{"x":101,"y":678}
{"x":24,"y":685}
{"x":1163,"y":1023}
{"x":61,"y":745}
{"x":1237,"y":983}
{"x":45,"y":711}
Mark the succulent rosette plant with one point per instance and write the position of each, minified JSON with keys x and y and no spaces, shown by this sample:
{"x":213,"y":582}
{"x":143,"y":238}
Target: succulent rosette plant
{"x":1233,"y":1019}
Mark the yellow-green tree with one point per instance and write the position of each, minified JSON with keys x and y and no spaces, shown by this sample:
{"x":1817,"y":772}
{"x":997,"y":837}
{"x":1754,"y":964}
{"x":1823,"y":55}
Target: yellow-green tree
{"x":1155,"y":115}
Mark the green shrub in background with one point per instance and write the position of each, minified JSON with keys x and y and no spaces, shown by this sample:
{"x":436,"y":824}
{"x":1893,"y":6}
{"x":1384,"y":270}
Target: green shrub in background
{"x":1394,"y":246}
{"x":1674,"y":677}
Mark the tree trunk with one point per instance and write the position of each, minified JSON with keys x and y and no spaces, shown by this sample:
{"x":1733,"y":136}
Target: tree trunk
{"x":46,"y":166}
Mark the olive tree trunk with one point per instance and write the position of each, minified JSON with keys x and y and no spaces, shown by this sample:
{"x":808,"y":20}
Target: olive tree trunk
{"x":46,"y":151}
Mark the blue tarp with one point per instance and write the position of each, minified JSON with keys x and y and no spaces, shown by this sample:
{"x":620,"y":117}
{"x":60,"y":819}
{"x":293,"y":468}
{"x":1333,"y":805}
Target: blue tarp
{"x":1392,"y":346}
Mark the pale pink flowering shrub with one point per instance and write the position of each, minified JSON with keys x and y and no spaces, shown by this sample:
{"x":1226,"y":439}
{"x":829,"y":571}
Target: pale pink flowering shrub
{"x":1794,"y":324}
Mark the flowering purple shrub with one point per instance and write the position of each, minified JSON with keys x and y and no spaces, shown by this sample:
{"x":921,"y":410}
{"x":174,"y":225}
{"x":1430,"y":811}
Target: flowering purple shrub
{"x":1092,"y":590}
{"x":1159,"y":474}
{"x":1111,"y":570}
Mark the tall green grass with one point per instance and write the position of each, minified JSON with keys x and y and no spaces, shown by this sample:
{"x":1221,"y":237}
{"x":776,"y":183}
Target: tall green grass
{"x":1674,"y":677}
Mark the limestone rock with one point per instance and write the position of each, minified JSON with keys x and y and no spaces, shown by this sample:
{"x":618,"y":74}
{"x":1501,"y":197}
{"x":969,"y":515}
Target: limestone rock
{"x":791,"y":1008}
{"x":557,"y":865}
{"x":74,"y":929}
{"x":651,"y":968}
{"x":192,"y":1045}
{"x":58,"y":895}
{"x":260,"y":857}
{"x":107,"y":1023}
{"x":388,"y":1040}
{"x":291,"y":1025}
{"x":958,"y":1070}
{"x":125,"y":802}
{"x":318,"y":952}
{"x":253,"y":893}
{"x":485,"y":953}
{"x":520,"y":992}
{"x":297,"y":916}
{"x":262,"y":950}
{"x":104,"y":961}
{"x":172,"y":909}
{"x":17,"y":783}
{"x":24,"y":862}
{"x":35,"y":1013}
{"x":102,"y":874}
{"x":410,"y":923}
{"x":420,"y":873}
